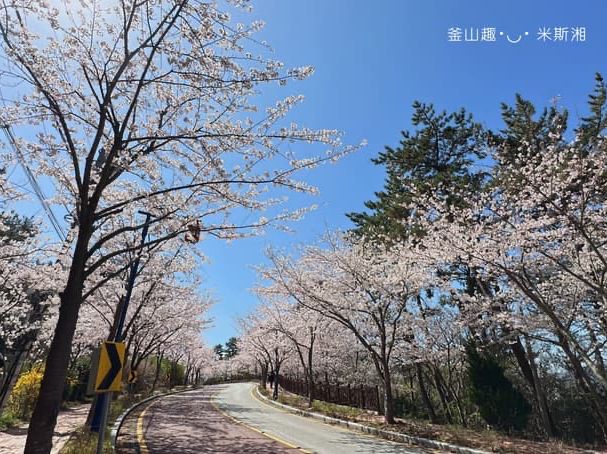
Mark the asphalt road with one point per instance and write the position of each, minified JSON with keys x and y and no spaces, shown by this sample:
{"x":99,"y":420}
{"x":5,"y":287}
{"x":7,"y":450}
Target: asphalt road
{"x":189,"y":423}
{"x":229,"y":419}
{"x":313,"y":436}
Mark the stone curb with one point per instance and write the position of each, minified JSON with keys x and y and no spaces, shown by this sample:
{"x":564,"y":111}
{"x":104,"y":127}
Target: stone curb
{"x":120,"y":420}
{"x":419,"y":441}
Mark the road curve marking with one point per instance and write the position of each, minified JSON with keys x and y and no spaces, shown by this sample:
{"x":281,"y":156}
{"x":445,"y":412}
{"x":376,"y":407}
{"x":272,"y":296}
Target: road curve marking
{"x":255,"y":429}
{"x":143,"y":448}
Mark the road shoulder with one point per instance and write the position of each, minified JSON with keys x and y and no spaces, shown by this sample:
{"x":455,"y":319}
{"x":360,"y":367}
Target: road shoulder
{"x":384,"y":434}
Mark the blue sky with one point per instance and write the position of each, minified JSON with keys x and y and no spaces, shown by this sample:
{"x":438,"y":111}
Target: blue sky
{"x":372,"y":60}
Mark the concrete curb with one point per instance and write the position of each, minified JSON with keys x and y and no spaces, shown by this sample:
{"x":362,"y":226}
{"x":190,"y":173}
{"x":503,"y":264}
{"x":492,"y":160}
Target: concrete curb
{"x":120,"y":420}
{"x":419,"y":441}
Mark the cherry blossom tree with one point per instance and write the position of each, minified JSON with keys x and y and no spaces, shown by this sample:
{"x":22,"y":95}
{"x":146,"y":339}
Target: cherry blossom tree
{"x":268,"y":345}
{"x":141,"y":105}
{"x":302,"y":327}
{"x":28,"y":295}
{"x":365,"y":287}
{"x":540,"y":238}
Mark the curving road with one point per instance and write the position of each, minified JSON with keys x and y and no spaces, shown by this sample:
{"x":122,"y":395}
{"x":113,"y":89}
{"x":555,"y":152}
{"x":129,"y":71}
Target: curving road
{"x":229,"y":419}
{"x":190,"y":423}
{"x":312,"y":436}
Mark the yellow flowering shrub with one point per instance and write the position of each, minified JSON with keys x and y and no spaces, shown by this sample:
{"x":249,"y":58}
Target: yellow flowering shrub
{"x":23,"y":397}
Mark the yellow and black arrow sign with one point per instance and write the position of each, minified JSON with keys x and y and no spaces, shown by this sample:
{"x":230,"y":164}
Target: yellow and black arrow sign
{"x":109,"y":372}
{"x":132,"y":376}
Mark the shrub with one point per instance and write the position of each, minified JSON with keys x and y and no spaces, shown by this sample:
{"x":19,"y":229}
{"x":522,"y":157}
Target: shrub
{"x":23,"y":397}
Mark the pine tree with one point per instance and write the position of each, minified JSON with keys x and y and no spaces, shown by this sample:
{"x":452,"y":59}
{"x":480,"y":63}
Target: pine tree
{"x":437,"y":158}
{"x":231,"y":348}
{"x":219,"y":351}
{"x":594,"y":125}
{"x":524,"y":130}
{"x":500,"y":403}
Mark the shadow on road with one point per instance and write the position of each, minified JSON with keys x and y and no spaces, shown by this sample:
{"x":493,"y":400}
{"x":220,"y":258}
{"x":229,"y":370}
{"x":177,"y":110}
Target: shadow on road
{"x":188,"y":423}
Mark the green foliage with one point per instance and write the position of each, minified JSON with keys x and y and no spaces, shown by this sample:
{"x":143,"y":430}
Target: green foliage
{"x":594,"y":125}
{"x":77,"y":379}
{"x":231,"y":348}
{"x":16,"y":227}
{"x":523,"y":128}
{"x":571,"y":409}
{"x":499,"y":402}
{"x":174,"y":372}
{"x":83,"y":441}
{"x":218,"y":350}
{"x":437,"y":159}
{"x":8,"y":420}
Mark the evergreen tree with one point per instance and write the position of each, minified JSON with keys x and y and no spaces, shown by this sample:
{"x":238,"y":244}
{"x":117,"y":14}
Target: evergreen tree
{"x":16,"y":229}
{"x":499,"y":402}
{"x":231,"y":348}
{"x":219,"y":351}
{"x":524,"y":130}
{"x":593,"y":126}
{"x":437,"y":158}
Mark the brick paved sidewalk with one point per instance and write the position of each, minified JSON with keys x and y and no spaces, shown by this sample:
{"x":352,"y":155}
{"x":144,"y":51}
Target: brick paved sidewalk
{"x":12,"y":441}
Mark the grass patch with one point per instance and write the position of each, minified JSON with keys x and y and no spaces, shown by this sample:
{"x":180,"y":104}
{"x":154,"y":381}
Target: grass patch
{"x":318,"y":406}
{"x":83,"y":441}
{"x":8,"y":420}
{"x":337,"y":411}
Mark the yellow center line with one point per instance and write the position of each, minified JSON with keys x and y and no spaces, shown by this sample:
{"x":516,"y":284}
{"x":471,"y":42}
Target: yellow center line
{"x":262,"y":432}
{"x":143,"y":448}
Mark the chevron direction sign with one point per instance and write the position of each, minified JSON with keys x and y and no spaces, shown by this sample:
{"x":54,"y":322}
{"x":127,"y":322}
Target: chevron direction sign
{"x":109,"y":372}
{"x":132,"y":377}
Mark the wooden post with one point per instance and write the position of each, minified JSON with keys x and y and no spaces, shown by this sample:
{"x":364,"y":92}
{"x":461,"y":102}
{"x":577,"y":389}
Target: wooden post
{"x":349,"y":395}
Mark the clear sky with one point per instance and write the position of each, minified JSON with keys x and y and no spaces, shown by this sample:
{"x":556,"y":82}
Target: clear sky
{"x":372,"y":60}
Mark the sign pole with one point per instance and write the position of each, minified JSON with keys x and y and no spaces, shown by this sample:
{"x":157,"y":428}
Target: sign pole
{"x":104,"y":413}
{"x":121,"y":318}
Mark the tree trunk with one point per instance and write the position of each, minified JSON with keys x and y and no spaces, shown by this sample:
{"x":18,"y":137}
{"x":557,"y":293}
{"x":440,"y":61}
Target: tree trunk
{"x":158,"y":365}
{"x":440,"y":388}
{"x":44,"y":418}
{"x":12,"y":374}
{"x":310,"y":377}
{"x":386,"y":377}
{"x":388,"y":402}
{"x":527,"y":365}
{"x":264,"y":375}
{"x":275,"y":392}
{"x":424,"y":392}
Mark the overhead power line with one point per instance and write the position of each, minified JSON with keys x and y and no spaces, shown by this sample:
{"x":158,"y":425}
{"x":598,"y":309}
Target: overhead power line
{"x":34,"y":183}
